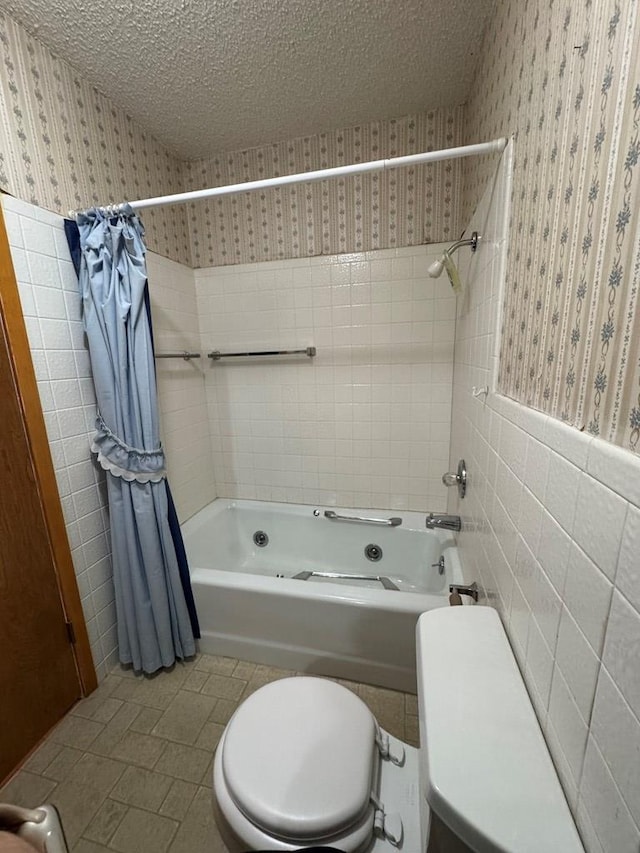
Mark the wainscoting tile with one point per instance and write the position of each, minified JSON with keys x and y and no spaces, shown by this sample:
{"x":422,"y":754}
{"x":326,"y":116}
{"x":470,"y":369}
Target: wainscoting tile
{"x":578,"y":663}
{"x":616,"y":468}
{"x":628,"y":574}
{"x":553,"y":551}
{"x":622,"y":650}
{"x":562,"y":485}
{"x":605,"y":805}
{"x":568,"y":724}
{"x":616,"y":730}
{"x":587,"y":595}
{"x":598,"y":524}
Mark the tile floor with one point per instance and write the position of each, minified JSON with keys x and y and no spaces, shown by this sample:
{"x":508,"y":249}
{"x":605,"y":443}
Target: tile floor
{"x":129,"y":768}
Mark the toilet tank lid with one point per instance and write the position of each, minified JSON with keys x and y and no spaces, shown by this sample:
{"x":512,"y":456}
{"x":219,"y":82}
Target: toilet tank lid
{"x":486,"y":770}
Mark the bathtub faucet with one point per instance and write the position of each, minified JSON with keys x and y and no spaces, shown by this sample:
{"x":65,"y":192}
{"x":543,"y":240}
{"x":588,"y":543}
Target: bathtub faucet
{"x":441,"y":521}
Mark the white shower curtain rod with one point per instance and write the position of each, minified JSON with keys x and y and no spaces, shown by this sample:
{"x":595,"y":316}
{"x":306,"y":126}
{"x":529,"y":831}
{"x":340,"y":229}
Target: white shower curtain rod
{"x":496,"y":146}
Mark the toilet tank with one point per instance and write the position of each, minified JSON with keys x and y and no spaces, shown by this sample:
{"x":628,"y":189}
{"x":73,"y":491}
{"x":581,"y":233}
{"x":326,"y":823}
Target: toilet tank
{"x":485,"y":770}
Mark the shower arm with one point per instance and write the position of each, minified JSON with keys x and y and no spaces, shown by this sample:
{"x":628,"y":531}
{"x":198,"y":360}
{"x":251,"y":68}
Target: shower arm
{"x":472,"y":242}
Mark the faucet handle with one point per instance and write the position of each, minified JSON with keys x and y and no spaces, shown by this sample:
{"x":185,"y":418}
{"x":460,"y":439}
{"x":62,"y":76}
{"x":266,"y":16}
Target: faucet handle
{"x":457,"y":478}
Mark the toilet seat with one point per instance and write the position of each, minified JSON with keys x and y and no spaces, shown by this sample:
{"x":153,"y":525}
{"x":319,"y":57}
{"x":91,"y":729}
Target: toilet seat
{"x":297,"y":765}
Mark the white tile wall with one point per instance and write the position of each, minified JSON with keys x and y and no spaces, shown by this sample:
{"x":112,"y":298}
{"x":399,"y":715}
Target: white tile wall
{"x":182,"y":402}
{"x":367,"y":421}
{"x":552,"y":532}
{"x":51,"y":304}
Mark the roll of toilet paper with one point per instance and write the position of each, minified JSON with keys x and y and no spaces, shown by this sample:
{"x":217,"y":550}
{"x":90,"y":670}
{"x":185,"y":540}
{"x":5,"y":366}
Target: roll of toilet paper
{"x":455,"y":599}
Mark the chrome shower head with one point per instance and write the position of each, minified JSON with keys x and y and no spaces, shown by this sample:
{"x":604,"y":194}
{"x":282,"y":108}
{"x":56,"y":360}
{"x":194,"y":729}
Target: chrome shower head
{"x":435,"y":269}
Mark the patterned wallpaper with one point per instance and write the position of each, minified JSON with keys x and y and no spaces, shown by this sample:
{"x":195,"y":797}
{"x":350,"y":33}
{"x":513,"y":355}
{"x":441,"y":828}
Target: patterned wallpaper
{"x":564,"y":80}
{"x":406,"y":207}
{"x":64,"y":146}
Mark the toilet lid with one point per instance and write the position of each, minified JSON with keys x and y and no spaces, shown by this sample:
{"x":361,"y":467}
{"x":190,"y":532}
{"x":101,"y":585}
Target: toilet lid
{"x":298,"y":758}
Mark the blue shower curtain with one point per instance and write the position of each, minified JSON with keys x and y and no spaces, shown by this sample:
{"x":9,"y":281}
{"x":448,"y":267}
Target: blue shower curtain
{"x":156,"y":617}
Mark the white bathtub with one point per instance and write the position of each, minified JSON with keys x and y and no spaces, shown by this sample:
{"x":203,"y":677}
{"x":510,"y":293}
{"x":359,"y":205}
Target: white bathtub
{"x":251,"y":607}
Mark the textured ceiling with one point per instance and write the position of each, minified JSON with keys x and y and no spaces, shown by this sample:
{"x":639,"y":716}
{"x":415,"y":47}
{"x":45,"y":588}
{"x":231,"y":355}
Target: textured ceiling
{"x":205,"y":76}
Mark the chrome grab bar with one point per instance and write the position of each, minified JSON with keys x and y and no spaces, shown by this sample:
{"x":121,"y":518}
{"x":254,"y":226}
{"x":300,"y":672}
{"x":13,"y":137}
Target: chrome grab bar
{"x":186,"y":355}
{"x":216,"y":355}
{"x":386,"y":583}
{"x":387,"y":522}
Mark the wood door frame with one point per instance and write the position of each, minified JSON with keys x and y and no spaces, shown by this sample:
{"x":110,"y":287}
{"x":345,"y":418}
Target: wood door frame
{"x":29,"y":398}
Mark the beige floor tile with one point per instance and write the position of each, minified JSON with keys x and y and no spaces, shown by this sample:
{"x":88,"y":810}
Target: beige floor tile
{"x":183,"y":762}
{"x":209,"y":736}
{"x":142,"y":788}
{"x":27,"y":789}
{"x":76,"y":732}
{"x":274,"y":673}
{"x":43,"y":756}
{"x":99,"y":708}
{"x":195,"y":680}
{"x":224,"y":687}
{"x":136,"y":748}
{"x":62,"y":764}
{"x":217,"y":664}
{"x":115,"y":729}
{"x":411,"y":730}
{"x":411,"y":704}
{"x":144,"y":832}
{"x":207,"y":776}
{"x":77,"y":804}
{"x":121,"y":670}
{"x":223,"y":711}
{"x":105,"y":822}
{"x":178,"y":800}
{"x":145,"y":692}
{"x":185,"y":717}
{"x":201,"y":808}
{"x":244,"y":670}
{"x":104,"y":752}
{"x":145,"y":721}
{"x":85,"y":846}
{"x":353,"y":686}
{"x":198,"y":832}
{"x":387,"y":706}
{"x":198,"y":838}
{"x":265,"y":675}
{"x":253,"y":684}
{"x":96,"y":771}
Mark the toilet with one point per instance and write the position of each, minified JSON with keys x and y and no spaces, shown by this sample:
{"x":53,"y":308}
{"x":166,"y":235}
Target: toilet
{"x":303,"y":762}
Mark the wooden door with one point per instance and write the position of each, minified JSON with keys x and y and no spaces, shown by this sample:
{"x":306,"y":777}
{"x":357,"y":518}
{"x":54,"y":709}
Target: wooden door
{"x":42,"y":673}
